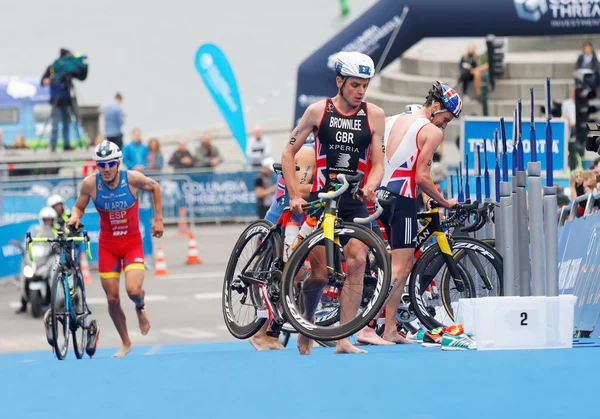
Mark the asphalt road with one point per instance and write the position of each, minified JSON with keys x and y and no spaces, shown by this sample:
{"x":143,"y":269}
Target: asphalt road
{"x":184,"y":307}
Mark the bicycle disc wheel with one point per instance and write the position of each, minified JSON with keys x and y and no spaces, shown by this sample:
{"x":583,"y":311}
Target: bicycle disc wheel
{"x":78,"y":328}
{"x":60,"y":317}
{"x":294,"y":311}
{"x":482,"y":264}
{"x":243,"y":322}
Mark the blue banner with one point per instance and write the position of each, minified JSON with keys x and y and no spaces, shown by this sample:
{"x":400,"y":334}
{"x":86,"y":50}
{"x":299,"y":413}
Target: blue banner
{"x":217,"y":75}
{"x":212,"y":195}
{"x":476,"y":129}
{"x":10,"y":258}
{"x":208,"y":195}
{"x":579,"y":268}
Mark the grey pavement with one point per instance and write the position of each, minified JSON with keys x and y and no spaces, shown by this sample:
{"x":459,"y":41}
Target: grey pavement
{"x":184,"y":307}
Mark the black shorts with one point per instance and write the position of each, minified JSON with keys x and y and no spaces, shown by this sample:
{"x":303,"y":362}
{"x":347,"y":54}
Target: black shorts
{"x":400,"y":220}
{"x":348,"y":209}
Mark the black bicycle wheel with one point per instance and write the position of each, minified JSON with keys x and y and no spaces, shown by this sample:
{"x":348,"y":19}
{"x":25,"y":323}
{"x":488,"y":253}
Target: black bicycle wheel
{"x":294,"y":311}
{"x":78,"y":328}
{"x":236,"y":290}
{"x":60,"y":317}
{"x":432,"y":290}
{"x":482,"y":264}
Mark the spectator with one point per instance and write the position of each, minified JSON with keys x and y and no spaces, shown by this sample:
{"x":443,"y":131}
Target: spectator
{"x":135,"y":153}
{"x":467,"y":64}
{"x":19,"y":142}
{"x":207,"y":155}
{"x":113,"y":121}
{"x":155,"y":160}
{"x":258,"y":148}
{"x":596,"y":168}
{"x":181,"y":158}
{"x":479,"y":72}
{"x":265,"y":188}
{"x":582,"y":183}
{"x":60,"y":99}
{"x":588,"y":60}
{"x":562,"y":200}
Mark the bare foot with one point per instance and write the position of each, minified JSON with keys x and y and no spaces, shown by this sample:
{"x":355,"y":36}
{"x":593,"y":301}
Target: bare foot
{"x":123,"y":350}
{"x":345,"y":347}
{"x":370,"y":336}
{"x":395,"y":337}
{"x":304,"y":345}
{"x":143,"y":320}
{"x":265,"y":343}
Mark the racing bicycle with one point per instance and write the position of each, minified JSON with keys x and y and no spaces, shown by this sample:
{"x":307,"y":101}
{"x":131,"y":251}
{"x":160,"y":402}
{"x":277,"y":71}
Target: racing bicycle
{"x":68,"y":306}
{"x":257,"y":279}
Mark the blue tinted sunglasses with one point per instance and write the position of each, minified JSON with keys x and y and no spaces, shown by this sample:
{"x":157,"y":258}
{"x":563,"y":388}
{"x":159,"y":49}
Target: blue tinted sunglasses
{"x":105,"y":164}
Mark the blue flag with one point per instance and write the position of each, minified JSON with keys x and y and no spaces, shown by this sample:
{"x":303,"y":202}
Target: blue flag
{"x":216,"y":73}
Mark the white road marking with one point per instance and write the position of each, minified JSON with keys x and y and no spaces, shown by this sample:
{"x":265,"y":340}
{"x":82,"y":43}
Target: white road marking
{"x":208,"y":296}
{"x":198,"y":275}
{"x":154,"y":349}
{"x":188,"y":333}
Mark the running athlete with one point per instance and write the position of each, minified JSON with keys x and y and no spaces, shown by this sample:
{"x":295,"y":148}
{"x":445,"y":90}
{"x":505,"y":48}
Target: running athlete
{"x":410,"y":141}
{"x":305,"y":160}
{"x":346,"y":130}
{"x":115,"y":195}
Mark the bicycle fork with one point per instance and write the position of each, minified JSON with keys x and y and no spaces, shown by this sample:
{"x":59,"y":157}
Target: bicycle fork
{"x":442,"y":241}
{"x":332,"y":243}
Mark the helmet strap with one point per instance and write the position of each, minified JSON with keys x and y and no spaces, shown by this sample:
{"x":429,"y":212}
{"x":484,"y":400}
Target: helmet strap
{"x":342,"y":95}
{"x":111,"y":182}
{"x":434,"y":113}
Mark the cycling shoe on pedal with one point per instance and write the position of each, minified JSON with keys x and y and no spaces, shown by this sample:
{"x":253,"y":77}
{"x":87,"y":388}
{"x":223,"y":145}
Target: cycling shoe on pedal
{"x":48,"y":328}
{"x":93,"y":336}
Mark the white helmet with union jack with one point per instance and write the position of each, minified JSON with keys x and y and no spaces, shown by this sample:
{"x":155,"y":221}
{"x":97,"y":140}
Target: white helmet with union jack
{"x":448,"y":96}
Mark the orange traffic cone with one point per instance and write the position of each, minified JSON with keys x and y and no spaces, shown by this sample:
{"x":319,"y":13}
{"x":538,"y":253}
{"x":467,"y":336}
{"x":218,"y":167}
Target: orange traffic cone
{"x":85,"y":268}
{"x":192,"y":258}
{"x":161,"y":264}
{"x":182,"y":224}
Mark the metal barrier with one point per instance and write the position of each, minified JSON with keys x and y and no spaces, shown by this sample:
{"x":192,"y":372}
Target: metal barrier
{"x":570,"y":212}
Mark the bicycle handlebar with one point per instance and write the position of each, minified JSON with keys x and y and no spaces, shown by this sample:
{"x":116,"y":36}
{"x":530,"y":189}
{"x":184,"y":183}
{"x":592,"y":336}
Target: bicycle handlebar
{"x":332,"y":195}
{"x":480,"y":220}
{"x":61,"y":240}
{"x":379,"y":204}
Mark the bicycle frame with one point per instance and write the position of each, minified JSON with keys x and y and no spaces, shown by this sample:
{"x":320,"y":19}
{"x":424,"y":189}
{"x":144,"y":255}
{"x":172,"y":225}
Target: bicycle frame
{"x":431,"y":229}
{"x":64,"y":264}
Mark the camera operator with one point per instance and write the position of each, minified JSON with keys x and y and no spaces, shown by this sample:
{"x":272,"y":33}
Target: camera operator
{"x":60,"y":96}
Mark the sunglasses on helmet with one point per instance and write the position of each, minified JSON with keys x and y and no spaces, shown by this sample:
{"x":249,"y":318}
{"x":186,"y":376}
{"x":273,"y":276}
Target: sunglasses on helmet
{"x":105,"y":164}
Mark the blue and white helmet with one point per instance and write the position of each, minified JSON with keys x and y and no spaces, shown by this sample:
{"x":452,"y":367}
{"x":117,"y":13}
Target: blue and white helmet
{"x":354,"y":64}
{"x":107,"y":151}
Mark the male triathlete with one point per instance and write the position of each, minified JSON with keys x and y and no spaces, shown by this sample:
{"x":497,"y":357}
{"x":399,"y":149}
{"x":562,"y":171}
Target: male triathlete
{"x":345,"y":128}
{"x":115,"y":195}
{"x":410,"y":140}
{"x":305,"y":160}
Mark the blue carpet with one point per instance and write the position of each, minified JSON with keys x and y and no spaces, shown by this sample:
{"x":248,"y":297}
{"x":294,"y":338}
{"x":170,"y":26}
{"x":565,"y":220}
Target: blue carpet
{"x":230,"y":380}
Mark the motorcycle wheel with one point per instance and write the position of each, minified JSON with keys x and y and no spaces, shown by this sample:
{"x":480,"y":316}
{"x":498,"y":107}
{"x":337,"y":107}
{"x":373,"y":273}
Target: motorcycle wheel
{"x":37,"y":309}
